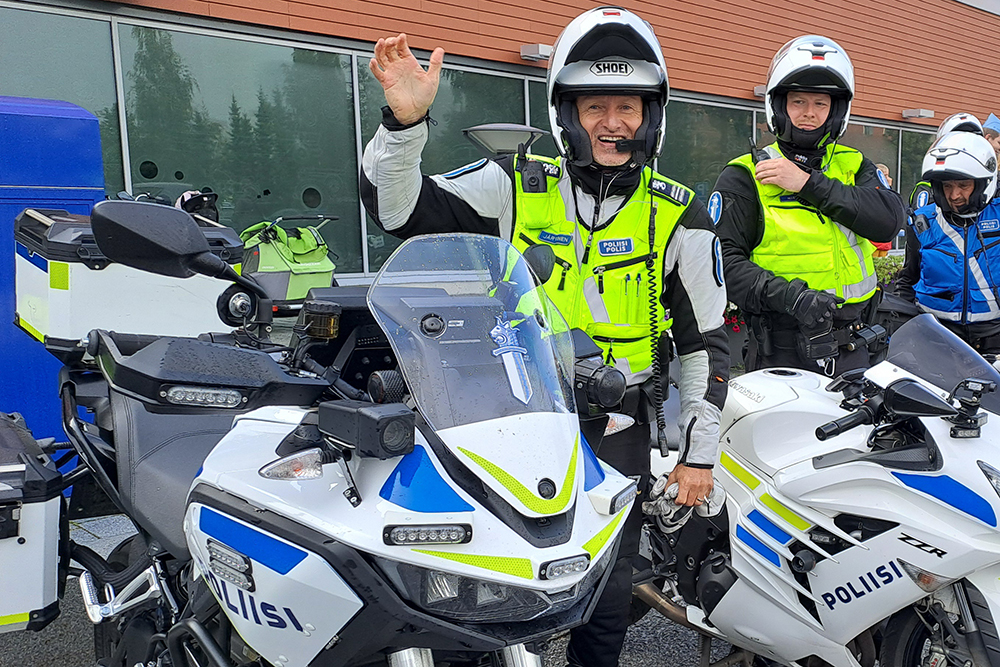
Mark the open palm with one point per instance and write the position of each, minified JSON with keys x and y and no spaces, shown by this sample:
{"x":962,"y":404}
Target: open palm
{"x":409,"y":89}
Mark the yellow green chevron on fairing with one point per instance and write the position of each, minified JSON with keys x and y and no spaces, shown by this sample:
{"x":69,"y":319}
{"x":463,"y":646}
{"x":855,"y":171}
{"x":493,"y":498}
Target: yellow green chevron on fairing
{"x":522,"y":493}
{"x":597,"y":542}
{"x":788,"y":515}
{"x":739,"y":472}
{"x":516,"y":567}
{"x":752,"y":482}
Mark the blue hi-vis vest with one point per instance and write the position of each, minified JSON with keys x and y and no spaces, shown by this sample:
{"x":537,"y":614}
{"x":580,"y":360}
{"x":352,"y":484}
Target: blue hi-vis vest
{"x":959,"y":267}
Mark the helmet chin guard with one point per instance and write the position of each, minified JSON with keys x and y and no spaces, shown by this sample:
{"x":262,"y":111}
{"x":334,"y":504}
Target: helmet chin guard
{"x":810,"y":64}
{"x":606,"y":51}
{"x":962,"y":156}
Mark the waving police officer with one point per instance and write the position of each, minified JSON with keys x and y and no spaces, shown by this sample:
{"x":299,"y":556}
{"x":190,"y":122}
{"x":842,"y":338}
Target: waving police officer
{"x":627,"y":240}
{"x":796,"y":218}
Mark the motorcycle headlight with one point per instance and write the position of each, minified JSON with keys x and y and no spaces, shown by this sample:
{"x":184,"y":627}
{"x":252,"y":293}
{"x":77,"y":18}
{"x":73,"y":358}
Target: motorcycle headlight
{"x":461,"y":598}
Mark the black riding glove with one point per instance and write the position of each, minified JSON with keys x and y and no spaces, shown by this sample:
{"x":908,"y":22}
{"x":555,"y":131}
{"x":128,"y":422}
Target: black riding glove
{"x":811,"y":308}
{"x":814,"y":309}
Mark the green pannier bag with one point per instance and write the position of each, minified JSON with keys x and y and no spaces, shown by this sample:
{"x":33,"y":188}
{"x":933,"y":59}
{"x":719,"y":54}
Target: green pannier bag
{"x":287,"y":262}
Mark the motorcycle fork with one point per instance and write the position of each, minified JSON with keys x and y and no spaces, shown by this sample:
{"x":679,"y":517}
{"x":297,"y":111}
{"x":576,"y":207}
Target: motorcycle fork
{"x":968,"y":640}
{"x":510,"y":656}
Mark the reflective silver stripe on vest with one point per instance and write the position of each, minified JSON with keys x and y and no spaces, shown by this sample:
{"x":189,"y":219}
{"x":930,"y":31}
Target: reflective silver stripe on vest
{"x":940,"y":314}
{"x":868,"y":281}
{"x":566,"y":192}
{"x":974,"y":269}
{"x":595,"y":304}
{"x":858,"y":290}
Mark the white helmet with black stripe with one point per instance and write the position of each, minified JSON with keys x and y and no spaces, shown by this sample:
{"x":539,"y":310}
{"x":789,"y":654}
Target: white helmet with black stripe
{"x":959,"y":122}
{"x":962,"y":156}
{"x":607,"y":51}
{"x":809,"y":64}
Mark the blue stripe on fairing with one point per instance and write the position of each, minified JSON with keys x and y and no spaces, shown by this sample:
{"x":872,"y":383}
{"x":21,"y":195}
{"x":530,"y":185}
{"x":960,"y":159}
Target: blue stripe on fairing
{"x":593,"y":473}
{"x":769,"y":527}
{"x":264,"y":549}
{"x":37,"y":260}
{"x":952,"y":492}
{"x":417,"y":485}
{"x":758,"y":546}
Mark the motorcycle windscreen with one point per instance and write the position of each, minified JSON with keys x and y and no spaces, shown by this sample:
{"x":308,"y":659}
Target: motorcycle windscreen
{"x":925,"y":348}
{"x":475,"y":334}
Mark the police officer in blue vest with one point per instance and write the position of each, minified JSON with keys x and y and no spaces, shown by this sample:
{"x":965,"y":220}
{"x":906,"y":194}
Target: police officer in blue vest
{"x":952,"y":266}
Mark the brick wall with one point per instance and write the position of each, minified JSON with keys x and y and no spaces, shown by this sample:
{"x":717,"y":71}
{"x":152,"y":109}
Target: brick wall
{"x":932,"y":54}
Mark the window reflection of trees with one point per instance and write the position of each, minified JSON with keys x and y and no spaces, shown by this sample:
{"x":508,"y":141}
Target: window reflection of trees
{"x":261,"y":157}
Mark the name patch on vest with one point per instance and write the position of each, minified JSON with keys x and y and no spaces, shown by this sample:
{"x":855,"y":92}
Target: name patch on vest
{"x":615,"y":247}
{"x":551,"y":169}
{"x":555,"y":239}
{"x":989,"y":225}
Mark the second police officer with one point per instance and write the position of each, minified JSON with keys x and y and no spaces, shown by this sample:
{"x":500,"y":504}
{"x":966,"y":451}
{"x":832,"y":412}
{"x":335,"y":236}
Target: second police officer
{"x":952,"y":266}
{"x":796,"y":218}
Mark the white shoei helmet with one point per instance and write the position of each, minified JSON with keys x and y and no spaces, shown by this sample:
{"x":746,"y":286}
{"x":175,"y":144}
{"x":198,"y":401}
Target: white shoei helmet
{"x":607,"y":51}
{"x":959,"y":122}
{"x":960,"y":156}
{"x":811,"y":64}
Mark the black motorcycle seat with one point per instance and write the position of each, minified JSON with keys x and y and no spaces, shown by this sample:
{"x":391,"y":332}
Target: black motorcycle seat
{"x":158,"y":457}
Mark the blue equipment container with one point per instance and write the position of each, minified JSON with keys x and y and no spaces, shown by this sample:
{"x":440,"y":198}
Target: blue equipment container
{"x":50,"y":157}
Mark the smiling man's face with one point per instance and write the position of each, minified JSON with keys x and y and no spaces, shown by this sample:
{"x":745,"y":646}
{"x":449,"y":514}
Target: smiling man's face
{"x":608,"y":119}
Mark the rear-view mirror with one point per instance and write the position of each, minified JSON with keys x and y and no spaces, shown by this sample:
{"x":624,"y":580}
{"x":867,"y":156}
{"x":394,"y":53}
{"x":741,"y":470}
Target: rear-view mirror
{"x":150,"y":237}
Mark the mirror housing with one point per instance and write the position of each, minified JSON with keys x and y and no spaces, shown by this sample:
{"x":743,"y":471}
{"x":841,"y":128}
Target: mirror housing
{"x":542,"y":260}
{"x":154,"y":238}
{"x":908,"y":398}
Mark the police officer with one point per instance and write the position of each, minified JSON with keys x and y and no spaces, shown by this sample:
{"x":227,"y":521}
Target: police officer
{"x":627,"y":240}
{"x":957,"y":122}
{"x":796,"y":218}
{"x":952,"y":266}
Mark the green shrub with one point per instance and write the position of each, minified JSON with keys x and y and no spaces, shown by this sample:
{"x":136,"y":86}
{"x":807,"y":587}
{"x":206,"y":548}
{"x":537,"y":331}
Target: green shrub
{"x":887,"y":268}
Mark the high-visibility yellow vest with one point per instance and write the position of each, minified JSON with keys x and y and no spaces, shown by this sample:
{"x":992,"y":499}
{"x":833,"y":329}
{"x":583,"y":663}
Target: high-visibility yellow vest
{"x":800,"y":242}
{"x":604,"y":289}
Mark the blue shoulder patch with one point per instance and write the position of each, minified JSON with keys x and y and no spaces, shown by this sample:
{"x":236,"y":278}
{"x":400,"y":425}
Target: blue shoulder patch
{"x":882,"y":179}
{"x":715,"y":207}
{"x":922,"y":198}
{"x":717,"y":257}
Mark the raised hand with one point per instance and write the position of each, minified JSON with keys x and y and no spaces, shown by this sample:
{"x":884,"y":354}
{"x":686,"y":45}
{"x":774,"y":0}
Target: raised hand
{"x":409,"y":89}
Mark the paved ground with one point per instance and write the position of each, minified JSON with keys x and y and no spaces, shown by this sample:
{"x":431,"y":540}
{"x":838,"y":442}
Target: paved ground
{"x":68,"y":641}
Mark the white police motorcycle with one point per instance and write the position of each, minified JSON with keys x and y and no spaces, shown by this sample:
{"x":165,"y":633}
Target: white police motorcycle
{"x":410,"y":481}
{"x":842,"y":539}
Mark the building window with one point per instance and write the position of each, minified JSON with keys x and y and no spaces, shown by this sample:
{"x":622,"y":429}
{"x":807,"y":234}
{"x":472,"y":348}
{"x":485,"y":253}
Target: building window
{"x":914,"y":146}
{"x":464,"y":99}
{"x":269,"y":128}
{"x":701,"y":139}
{"x":54,"y":57}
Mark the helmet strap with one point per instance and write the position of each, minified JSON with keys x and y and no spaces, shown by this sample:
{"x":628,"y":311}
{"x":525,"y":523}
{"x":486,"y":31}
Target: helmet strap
{"x":577,"y":141}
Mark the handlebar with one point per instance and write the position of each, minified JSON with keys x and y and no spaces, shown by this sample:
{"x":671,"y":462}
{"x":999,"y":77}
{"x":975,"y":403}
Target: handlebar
{"x":838,"y":426}
{"x":127,"y":344}
{"x":866,"y":413}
